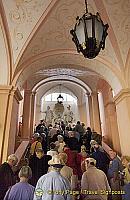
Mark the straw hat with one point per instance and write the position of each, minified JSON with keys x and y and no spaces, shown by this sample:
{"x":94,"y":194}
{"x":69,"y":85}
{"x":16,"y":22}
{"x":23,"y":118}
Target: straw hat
{"x":56,"y":161}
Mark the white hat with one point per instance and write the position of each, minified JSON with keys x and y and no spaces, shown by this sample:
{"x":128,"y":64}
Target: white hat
{"x":56,"y":161}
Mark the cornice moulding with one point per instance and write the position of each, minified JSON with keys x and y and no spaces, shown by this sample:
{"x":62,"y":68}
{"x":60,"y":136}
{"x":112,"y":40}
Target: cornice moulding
{"x":121,"y":95}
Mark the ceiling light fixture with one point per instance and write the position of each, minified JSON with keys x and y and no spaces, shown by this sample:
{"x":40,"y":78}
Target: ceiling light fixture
{"x":89,"y":34}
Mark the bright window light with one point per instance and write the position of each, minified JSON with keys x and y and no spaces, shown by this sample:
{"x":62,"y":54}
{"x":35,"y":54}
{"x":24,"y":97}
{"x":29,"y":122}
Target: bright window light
{"x":53,"y":97}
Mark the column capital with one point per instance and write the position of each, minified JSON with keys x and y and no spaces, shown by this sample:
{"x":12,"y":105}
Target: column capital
{"x":124,"y":93}
{"x":94,"y":93}
{"x":15,"y":91}
{"x":5,"y":89}
{"x":112,"y":103}
{"x":11,"y":90}
{"x":34,"y":93}
{"x":27,"y":91}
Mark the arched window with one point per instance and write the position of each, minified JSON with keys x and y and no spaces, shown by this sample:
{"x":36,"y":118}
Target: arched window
{"x":53,"y":97}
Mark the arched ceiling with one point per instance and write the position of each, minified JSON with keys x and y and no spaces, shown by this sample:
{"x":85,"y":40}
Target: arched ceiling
{"x":66,"y":87}
{"x":42,"y":46}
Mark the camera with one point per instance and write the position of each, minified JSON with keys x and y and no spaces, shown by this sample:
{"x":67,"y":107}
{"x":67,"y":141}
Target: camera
{"x":121,"y":177}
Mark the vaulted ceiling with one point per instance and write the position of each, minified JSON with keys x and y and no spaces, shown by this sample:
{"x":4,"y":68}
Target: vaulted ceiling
{"x":40,"y":45}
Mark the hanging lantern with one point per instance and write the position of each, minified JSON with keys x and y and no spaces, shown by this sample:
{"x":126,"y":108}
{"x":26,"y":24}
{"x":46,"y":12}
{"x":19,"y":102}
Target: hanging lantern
{"x":89,"y":34}
{"x":60,"y":99}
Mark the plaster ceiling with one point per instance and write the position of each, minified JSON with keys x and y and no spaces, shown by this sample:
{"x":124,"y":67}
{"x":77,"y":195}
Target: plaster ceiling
{"x":41,"y":44}
{"x":64,"y":71}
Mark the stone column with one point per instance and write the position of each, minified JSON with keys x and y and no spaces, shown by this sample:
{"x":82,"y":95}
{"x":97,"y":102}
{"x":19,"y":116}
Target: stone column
{"x":113,"y":128}
{"x":83,"y":113}
{"x":9,"y":103}
{"x":33,"y":110}
{"x":90,"y":112}
{"x":87,"y":111}
{"x":122,"y":101}
{"x":111,"y":136}
{"x":96,"y":115}
{"x":26,"y":115}
{"x":102,"y":113}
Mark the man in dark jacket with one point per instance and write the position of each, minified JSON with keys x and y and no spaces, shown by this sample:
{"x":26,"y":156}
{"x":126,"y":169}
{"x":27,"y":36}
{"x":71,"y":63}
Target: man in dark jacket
{"x":39,"y":165}
{"x":87,"y":138}
{"x":7,"y":177}
{"x":102,"y":160}
{"x":72,"y":142}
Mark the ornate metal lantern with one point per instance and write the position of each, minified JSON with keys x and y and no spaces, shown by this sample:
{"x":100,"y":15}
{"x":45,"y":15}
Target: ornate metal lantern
{"x":60,"y":98}
{"x":89,"y":34}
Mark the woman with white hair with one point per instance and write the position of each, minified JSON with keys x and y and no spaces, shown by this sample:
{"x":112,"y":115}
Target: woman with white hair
{"x":22,"y":190}
{"x":60,"y":144}
{"x":7,"y":177}
{"x":94,"y":180}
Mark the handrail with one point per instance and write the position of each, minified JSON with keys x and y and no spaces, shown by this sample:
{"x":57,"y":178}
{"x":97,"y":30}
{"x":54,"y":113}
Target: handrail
{"x":21,"y":149}
{"x":106,"y":147}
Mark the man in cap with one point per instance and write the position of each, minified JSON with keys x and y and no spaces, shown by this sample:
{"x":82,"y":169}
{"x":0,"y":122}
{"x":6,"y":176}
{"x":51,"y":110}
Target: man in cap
{"x":94,"y":181}
{"x":53,"y":185}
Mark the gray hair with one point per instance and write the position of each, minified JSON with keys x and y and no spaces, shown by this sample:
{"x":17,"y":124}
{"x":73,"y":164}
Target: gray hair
{"x":26,"y":172}
{"x":12,"y":157}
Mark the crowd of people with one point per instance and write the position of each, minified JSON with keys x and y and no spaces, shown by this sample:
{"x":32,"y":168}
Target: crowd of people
{"x":66,"y":163}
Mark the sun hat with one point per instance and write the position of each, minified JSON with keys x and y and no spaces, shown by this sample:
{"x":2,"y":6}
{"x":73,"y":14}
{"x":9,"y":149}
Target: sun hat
{"x":56,"y":161}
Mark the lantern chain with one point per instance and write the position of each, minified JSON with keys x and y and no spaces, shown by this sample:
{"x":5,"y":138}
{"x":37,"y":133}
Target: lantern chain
{"x":86,"y":6}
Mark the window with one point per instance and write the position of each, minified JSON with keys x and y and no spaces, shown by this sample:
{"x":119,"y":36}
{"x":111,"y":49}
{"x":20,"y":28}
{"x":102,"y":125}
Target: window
{"x":53,"y":97}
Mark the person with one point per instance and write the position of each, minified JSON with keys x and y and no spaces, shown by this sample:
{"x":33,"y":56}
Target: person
{"x":62,"y":127}
{"x":93,"y":143}
{"x":41,"y":127}
{"x":39,"y":165}
{"x":126,"y":187}
{"x":79,"y":129}
{"x":66,"y":171}
{"x":44,"y":142}
{"x":87,"y":139}
{"x":84,"y":129}
{"x":68,"y":115}
{"x":71,"y":159}
{"x":52,"y":133}
{"x":94,"y":180}
{"x":52,"y":150}
{"x":102,"y":160}
{"x":60,"y":143}
{"x":125,"y":162}
{"x":113,"y":172}
{"x":22,"y":190}
{"x":49,"y":115}
{"x":73,"y":142}
{"x":7,"y":177}
{"x":53,"y":185}
{"x":79,"y":159}
{"x":36,"y":145}
{"x":97,"y":137}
